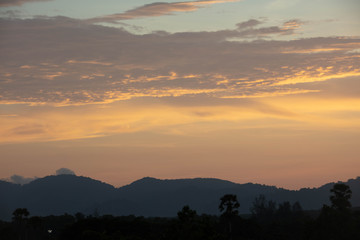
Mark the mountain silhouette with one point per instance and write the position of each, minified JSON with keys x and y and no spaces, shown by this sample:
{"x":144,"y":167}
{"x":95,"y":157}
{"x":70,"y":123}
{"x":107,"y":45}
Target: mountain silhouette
{"x":55,"y":195}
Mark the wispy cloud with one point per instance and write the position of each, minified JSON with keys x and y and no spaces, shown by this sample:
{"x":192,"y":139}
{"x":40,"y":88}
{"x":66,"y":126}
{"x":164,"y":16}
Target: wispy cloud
{"x":17,"y":179}
{"x":320,"y":75}
{"x":157,"y":9}
{"x":248,"y":24}
{"x":9,"y":3}
{"x":123,"y":66}
{"x":292,"y":24}
{"x":127,"y":83}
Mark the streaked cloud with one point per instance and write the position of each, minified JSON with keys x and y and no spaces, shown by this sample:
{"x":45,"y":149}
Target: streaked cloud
{"x":98,"y":65}
{"x":128,"y":83}
{"x":274,"y":93}
{"x":174,"y":115}
{"x":157,"y":9}
{"x":320,"y":75}
{"x":292,"y":24}
{"x":9,"y":3}
{"x":248,"y":24}
{"x":124,"y":117}
{"x":315,"y":50}
{"x":90,"y":62}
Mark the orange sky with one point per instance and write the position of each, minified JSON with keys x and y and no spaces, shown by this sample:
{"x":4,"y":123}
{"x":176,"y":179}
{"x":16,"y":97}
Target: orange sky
{"x":264,"y":101}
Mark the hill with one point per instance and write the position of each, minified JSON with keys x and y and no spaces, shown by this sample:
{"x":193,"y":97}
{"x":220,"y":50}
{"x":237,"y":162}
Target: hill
{"x":148,"y":196}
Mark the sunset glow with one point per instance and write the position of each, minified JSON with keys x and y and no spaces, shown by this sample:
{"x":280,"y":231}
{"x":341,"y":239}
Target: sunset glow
{"x":181,"y":89}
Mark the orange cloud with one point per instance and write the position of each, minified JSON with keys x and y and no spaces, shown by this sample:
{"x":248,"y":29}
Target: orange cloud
{"x":154,"y":66}
{"x":42,"y":123}
{"x":53,"y":75}
{"x":89,"y":122}
{"x":157,"y":9}
{"x":315,"y":50}
{"x":319,"y":76}
{"x":276,"y":93}
{"x":292,"y":24}
{"x":91,"y":98}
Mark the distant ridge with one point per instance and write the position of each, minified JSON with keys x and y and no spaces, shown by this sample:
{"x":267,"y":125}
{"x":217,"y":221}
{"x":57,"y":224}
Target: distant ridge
{"x":148,"y":196}
{"x":205,"y":182}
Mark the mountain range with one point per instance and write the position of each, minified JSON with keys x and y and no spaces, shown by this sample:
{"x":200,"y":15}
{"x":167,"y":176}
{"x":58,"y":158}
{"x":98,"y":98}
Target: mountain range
{"x":56,"y":195}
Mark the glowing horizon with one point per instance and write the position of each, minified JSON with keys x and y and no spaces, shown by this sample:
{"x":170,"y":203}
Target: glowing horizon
{"x":179,"y":89}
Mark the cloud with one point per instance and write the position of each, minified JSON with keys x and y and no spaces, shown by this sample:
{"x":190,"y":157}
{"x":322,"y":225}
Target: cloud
{"x":28,"y":129}
{"x":320,"y":76}
{"x":292,"y":24}
{"x":157,"y":9}
{"x":65,"y":171}
{"x":11,"y":14}
{"x":17,"y":179}
{"x":9,"y":3}
{"x":250,"y":23}
{"x":122,"y":66}
{"x":128,"y":83}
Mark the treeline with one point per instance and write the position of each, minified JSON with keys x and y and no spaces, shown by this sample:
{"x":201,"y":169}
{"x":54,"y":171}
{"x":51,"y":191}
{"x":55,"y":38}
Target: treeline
{"x":268,"y":220}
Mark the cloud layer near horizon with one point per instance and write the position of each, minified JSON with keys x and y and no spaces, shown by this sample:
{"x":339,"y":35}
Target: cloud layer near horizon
{"x":18,"y":179}
{"x":63,"y":62}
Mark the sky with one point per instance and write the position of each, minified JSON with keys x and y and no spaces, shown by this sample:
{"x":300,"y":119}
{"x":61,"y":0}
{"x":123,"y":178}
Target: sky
{"x":263,"y":91}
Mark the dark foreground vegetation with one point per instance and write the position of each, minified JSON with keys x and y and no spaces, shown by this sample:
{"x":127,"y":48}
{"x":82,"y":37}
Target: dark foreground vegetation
{"x":268,"y":221}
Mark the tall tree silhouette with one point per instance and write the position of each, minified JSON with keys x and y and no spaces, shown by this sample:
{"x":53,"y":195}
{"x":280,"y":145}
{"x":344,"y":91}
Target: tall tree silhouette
{"x":20,"y":214}
{"x":20,"y":220}
{"x":186,"y":214}
{"x":187,"y":224}
{"x":262,"y":209}
{"x":341,"y":199}
{"x":335,"y":221}
{"x":229,"y":207}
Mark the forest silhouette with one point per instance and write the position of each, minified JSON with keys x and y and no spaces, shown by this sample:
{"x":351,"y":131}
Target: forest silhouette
{"x":268,"y":220}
